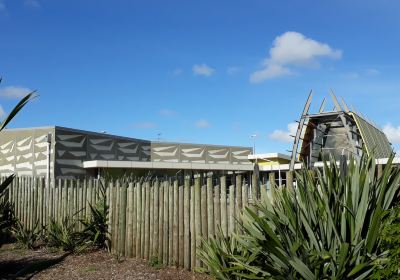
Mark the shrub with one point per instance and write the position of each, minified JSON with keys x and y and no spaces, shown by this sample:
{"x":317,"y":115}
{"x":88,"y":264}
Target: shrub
{"x":95,"y":228}
{"x":26,"y":238}
{"x":63,"y":235}
{"x":7,"y":219}
{"x":390,"y":235}
{"x":327,"y":227}
{"x":6,"y":212}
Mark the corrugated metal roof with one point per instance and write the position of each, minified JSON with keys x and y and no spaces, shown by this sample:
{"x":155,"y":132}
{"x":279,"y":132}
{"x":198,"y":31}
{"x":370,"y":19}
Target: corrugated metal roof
{"x":375,"y":141}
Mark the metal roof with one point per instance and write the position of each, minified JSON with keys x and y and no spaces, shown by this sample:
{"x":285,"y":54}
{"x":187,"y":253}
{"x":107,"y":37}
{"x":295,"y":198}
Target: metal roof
{"x":375,"y":140}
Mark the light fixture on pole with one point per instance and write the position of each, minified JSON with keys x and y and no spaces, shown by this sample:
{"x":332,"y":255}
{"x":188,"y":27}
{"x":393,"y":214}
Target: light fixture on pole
{"x":253,"y":136}
{"x":48,"y":140}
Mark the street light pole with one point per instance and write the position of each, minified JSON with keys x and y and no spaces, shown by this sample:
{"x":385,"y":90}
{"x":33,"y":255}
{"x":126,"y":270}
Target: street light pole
{"x":253,"y":136}
{"x":48,"y":140}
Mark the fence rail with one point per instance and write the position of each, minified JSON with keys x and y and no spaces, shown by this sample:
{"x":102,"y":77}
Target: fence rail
{"x":163,"y":219}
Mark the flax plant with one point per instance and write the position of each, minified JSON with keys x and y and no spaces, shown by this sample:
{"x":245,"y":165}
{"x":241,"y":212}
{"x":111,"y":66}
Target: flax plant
{"x":326,"y":227}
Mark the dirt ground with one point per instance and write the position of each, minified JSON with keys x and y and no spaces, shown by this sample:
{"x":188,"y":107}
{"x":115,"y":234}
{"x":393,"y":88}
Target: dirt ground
{"x":42,"y":264}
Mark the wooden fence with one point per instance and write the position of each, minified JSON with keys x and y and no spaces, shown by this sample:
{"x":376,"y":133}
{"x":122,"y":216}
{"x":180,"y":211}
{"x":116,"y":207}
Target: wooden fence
{"x":163,"y":219}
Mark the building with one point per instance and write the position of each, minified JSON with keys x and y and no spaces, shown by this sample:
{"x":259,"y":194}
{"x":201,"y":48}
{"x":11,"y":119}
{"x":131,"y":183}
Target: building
{"x":71,"y":153}
{"x":334,"y":133}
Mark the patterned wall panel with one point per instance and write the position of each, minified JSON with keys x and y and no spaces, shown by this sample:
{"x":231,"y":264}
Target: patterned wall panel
{"x":197,"y":153}
{"x":193,"y":153}
{"x":24,"y":151}
{"x":75,"y":146}
{"x":166,"y":152}
{"x":218,"y":155}
{"x":239,"y":155}
{"x":70,"y":153}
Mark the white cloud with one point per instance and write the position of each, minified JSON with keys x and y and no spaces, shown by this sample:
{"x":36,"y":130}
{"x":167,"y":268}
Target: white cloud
{"x":284,"y":136}
{"x":270,"y":72}
{"x":351,"y":76}
{"x":392,"y":133}
{"x":144,"y":125}
{"x":203,"y":70}
{"x":167,"y":112}
{"x":372,"y":72}
{"x":2,"y":113}
{"x":32,"y":4}
{"x":232,"y":70}
{"x":2,"y":6}
{"x":177,"y":72}
{"x":292,"y":49}
{"x":14,"y":92}
{"x":202,"y":123}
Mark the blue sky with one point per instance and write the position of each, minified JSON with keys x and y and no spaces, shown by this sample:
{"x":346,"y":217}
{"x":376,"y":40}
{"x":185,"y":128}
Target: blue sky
{"x":198,"y":71}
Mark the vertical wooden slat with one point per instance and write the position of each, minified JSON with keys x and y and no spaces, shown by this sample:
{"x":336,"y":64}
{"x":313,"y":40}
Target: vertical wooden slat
{"x":210,"y":207}
{"x":64,"y":198}
{"x":138,"y":218}
{"x":217,"y":209}
{"x":197,"y":218}
{"x":231,"y":209}
{"x":134,"y":218}
{"x":79,"y":203}
{"x":165,"y":226}
{"x":56,"y":200}
{"x":30,"y":209}
{"x":272,"y":179}
{"x":238,"y":192}
{"x":40,"y":203}
{"x":129,"y":221}
{"x":263,"y":190}
{"x":245,"y":194}
{"x":289,"y":179}
{"x":147,"y":221}
{"x":224,"y":213}
{"x":379,"y":171}
{"x":93,"y":199}
{"x":151,"y":216}
{"x":181,"y":226}
{"x":89,"y":195}
{"x":27,"y":191}
{"x":24,"y":200}
{"x":254,"y":187}
{"x":60,"y":184}
{"x":111,"y":209}
{"x":186,"y":223}
{"x":27,"y":203}
{"x":143,"y":220}
{"x":161,"y":222}
{"x":175,"y":224}
{"x":170,"y":223}
{"x":192,"y":229}
{"x":35,"y":203}
{"x":122,"y":220}
{"x":70,"y":199}
{"x":204,"y":221}
{"x":17,"y":201}
{"x":117,"y":215}
{"x":108,"y":203}
{"x":156,"y":201}
{"x":83,"y":198}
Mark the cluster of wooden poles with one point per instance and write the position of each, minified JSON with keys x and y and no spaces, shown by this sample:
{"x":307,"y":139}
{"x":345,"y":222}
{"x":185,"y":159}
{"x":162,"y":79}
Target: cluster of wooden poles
{"x":163,"y":220}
